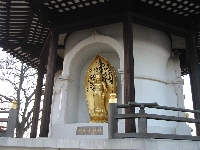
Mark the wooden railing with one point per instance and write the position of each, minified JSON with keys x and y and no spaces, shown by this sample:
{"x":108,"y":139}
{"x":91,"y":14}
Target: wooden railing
{"x":11,"y":121}
{"x":142,"y":121}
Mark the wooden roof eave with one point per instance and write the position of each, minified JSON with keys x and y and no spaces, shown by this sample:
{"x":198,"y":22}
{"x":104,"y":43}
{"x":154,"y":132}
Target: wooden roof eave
{"x":88,"y":17}
{"x":91,"y":16}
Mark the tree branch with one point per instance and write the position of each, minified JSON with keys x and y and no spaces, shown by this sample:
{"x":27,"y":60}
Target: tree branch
{"x":7,"y":98}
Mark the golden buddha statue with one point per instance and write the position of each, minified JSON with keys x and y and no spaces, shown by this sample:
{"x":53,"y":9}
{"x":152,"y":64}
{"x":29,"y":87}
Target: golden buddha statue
{"x":99,"y":94}
{"x":100,"y":82}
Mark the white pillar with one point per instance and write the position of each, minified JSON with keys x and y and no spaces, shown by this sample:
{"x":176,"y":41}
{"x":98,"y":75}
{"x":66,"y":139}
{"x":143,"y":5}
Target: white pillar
{"x":182,"y":128}
{"x":65,"y":89}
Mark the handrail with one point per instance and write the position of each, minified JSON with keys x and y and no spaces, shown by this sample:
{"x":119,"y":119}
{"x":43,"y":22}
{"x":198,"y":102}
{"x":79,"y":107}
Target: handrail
{"x":3,"y":119}
{"x":175,"y":109}
{"x":155,"y":105}
{"x":156,"y":117}
{"x":4,"y":111}
{"x":142,"y":121}
{"x":134,"y":104}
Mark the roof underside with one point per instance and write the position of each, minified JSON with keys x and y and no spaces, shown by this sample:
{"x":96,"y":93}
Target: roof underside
{"x":25,"y":24}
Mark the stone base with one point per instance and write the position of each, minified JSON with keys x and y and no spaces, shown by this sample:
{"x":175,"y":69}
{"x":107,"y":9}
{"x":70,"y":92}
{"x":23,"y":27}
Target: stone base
{"x":80,"y":131}
{"x":183,"y":129}
{"x":70,"y":144}
{"x":100,"y":130}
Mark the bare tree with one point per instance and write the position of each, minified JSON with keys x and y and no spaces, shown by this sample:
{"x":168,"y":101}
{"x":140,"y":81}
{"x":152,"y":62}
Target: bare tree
{"x":18,"y":82}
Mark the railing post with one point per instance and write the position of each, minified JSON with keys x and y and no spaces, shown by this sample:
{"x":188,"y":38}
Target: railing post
{"x":142,"y":122}
{"x":12,"y":120}
{"x":112,"y":122}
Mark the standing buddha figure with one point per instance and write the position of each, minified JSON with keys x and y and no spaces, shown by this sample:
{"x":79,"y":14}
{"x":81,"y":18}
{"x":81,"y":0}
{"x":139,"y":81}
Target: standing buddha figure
{"x":99,"y":96}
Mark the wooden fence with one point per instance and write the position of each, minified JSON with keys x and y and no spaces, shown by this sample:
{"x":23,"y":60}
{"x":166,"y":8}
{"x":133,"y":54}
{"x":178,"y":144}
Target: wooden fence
{"x":142,"y":121}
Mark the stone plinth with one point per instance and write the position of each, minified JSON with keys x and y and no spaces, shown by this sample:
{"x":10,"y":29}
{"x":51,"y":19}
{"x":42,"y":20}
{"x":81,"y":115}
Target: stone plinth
{"x":80,"y":131}
{"x":65,"y":144}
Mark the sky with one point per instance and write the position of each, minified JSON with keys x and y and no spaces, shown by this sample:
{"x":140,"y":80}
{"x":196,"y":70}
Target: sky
{"x":188,"y":100}
{"x":186,"y":91}
{"x":2,"y":88}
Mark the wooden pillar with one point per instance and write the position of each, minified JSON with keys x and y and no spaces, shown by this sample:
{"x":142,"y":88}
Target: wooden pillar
{"x":44,"y":128}
{"x":193,"y":66}
{"x":38,"y":94}
{"x":129,"y":90}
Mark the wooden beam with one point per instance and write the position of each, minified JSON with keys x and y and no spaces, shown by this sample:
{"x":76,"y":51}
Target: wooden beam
{"x":16,"y":17}
{"x":44,"y":128}
{"x":116,"y":18}
{"x":157,"y":117}
{"x":8,"y":7}
{"x":13,"y":23}
{"x":197,"y":2}
{"x":4,"y":111}
{"x":46,"y":16}
{"x":3,"y":119}
{"x":89,"y":23}
{"x":37,"y":100}
{"x":160,"y":25}
{"x":15,"y":9}
{"x":40,"y":1}
{"x":45,"y":48}
{"x":129,"y":90}
{"x":193,"y":66}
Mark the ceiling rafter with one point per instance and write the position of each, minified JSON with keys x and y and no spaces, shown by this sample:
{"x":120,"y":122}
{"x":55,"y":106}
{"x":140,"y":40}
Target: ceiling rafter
{"x":18,"y":32}
{"x":28,"y":27}
{"x":8,"y":18}
{"x":40,"y":1}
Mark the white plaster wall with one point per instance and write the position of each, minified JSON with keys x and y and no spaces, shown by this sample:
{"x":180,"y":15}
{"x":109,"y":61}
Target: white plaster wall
{"x":77,"y":101}
{"x":56,"y":98}
{"x":151,"y":50}
{"x":114,"y":31}
{"x":55,"y":101}
{"x":153,"y":67}
{"x":171,"y":98}
{"x":77,"y":61}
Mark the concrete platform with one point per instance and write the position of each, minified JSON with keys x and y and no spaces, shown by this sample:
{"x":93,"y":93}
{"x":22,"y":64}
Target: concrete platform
{"x":65,"y":144}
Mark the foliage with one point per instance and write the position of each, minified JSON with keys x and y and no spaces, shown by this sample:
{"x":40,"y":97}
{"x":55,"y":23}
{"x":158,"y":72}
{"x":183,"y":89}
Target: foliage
{"x":18,"y":82}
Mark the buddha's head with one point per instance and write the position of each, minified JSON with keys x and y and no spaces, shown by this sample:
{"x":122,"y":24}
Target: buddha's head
{"x":98,"y":76}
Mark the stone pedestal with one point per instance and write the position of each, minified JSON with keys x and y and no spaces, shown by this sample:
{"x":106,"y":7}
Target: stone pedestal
{"x":80,"y":131}
{"x":74,"y":144}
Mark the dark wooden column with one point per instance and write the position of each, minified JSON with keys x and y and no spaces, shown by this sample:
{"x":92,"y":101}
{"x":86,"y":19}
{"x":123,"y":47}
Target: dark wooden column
{"x":44,"y":128}
{"x":38,"y":94}
{"x":193,"y":66}
{"x":129,"y":91}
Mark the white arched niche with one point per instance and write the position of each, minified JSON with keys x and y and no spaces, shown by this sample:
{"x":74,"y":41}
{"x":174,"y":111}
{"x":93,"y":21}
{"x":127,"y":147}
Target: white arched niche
{"x":76,"y":62}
